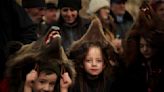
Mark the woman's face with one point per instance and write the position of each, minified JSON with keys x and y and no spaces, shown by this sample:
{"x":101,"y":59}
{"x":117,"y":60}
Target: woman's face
{"x":160,"y":11}
{"x":45,"y":82}
{"x":145,"y":48}
{"x":93,"y":62}
{"x":69,"y":14}
{"x":104,"y":12}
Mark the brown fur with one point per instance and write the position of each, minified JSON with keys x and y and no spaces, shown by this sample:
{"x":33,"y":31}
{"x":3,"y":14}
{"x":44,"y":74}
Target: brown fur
{"x":37,"y":50}
{"x":146,"y":21}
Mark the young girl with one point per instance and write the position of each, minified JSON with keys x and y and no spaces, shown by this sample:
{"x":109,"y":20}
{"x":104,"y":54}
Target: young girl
{"x":92,"y":63}
{"x":144,"y":48}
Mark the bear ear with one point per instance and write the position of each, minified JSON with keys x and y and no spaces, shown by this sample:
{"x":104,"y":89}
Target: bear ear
{"x":13,"y":47}
{"x":95,"y":31}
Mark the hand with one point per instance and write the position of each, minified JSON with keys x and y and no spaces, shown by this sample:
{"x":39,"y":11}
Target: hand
{"x":65,"y":82}
{"x":30,"y":78}
{"x":118,"y":44}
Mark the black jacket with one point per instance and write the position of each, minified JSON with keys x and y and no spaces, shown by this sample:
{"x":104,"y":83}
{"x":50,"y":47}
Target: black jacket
{"x":15,"y":25}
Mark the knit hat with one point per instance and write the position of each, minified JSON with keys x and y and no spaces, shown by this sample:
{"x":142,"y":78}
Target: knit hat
{"x":33,"y":3}
{"x":95,"y":5}
{"x":75,"y":4}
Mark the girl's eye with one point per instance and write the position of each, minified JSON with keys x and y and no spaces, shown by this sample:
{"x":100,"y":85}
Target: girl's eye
{"x":88,"y":61}
{"x":99,"y":61}
{"x":52,"y":83}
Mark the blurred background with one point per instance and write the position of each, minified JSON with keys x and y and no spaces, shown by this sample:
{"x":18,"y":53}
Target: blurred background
{"x":132,"y":6}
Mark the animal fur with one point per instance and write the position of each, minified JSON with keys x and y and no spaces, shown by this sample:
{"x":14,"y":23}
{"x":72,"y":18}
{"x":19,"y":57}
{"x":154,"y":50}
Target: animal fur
{"x":21,"y":61}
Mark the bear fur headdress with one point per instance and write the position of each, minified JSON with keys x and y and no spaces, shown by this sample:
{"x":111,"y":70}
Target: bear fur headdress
{"x":47,"y":48}
{"x":147,"y":21}
{"x":95,"y":33}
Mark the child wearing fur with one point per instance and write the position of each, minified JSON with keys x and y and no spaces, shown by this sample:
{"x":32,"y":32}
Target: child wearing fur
{"x":92,"y":55}
{"x":52,"y":64}
{"x":93,"y":68}
{"x":46,"y":78}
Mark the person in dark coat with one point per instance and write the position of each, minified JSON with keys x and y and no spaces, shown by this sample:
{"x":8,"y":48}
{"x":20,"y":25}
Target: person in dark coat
{"x":143,"y":54}
{"x":122,"y":18}
{"x":36,"y":11}
{"x":72,"y":25}
{"x":15,"y":25}
{"x":51,"y":15}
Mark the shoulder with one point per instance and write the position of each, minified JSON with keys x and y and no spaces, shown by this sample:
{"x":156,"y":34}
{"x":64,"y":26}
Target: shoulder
{"x":128,"y":16}
{"x":84,"y":21}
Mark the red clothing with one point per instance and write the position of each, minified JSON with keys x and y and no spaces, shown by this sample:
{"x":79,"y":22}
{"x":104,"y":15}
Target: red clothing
{"x":4,"y":86}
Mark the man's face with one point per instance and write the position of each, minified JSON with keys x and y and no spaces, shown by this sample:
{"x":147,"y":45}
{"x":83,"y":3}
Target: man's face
{"x":36,"y":14}
{"x":51,"y":15}
{"x":45,"y":82}
{"x":118,"y":8}
{"x":69,"y":14}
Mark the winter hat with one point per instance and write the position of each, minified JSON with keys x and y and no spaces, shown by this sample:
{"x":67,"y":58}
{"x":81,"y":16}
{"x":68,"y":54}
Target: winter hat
{"x":75,"y":4}
{"x":51,"y":6}
{"x":33,"y":3}
{"x":95,"y":5}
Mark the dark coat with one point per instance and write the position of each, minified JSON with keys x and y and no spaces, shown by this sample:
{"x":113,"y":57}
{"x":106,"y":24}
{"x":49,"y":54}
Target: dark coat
{"x":15,"y":25}
{"x":124,"y":26}
{"x":92,"y":85}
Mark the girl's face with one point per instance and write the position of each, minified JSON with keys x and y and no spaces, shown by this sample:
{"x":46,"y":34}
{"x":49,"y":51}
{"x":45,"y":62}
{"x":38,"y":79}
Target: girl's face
{"x":93,"y":62}
{"x":45,"y":83}
{"x":69,"y":14}
{"x":145,"y":48}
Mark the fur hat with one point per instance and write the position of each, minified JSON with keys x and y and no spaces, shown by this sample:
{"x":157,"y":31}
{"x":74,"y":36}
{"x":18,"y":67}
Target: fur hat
{"x":94,"y":33}
{"x":75,"y":4}
{"x":33,"y":3}
{"x":95,"y":5}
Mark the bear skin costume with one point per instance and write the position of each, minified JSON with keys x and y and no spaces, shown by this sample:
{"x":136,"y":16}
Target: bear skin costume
{"x":23,"y":60}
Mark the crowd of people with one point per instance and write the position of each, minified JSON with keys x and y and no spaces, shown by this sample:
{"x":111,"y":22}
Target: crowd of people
{"x":50,"y":47}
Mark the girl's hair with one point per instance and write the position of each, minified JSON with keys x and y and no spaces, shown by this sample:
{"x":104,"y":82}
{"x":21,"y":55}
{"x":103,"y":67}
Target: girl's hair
{"x":78,"y":55}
